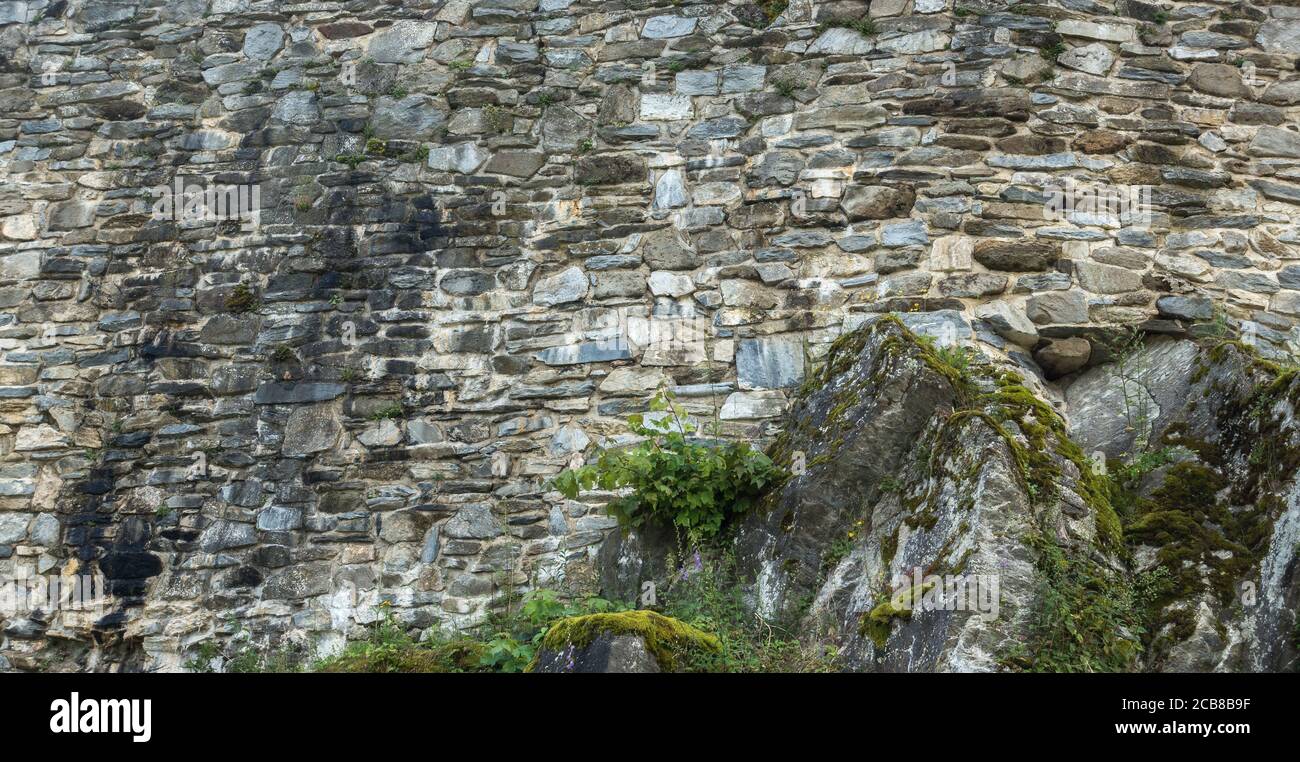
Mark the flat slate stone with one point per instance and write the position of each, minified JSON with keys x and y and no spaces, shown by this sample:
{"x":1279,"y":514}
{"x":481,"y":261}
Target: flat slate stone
{"x":769,"y":363}
{"x":576,"y":354}
{"x":663,"y":27}
{"x":263,"y":41}
{"x":403,"y":42}
{"x":289,"y":392}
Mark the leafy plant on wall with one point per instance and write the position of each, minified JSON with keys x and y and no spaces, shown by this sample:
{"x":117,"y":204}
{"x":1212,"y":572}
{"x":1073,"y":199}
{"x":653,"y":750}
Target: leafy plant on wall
{"x":676,"y":479}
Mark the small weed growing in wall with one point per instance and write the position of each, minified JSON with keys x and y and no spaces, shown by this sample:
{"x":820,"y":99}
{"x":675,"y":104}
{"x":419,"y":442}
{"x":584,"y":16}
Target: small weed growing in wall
{"x":863,"y":26}
{"x":204,"y":654}
{"x":243,"y":655}
{"x":391,"y":412}
{"x":690,"y":484}
{"x":773,"y":8}
{"x":496,"y":118}
{"x":241,"y":300}
{"x":785,"y":87}
{"x":389,"y":648}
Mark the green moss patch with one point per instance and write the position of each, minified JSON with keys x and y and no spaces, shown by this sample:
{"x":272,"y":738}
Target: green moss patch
{"x":439,"y":657}
{"x":667,"y":639}
{"x":1085,"y":618}
{"x":773,"y":8}
{"x":241,"y":300}
{"x":1211,"y":520}
{"x":1047,"y":435}
{"x":1203,"y":546}
{"x":875,"y":624}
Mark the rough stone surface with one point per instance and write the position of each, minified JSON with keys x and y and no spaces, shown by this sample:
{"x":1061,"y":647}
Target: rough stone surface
{"x":1171,"y":390}
{"x":861,"y":434}
{"x":1063,"y":356}
{"x":480,"y":225}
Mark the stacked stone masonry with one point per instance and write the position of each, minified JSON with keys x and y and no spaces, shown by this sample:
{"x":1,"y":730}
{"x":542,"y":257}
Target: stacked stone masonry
{"x":488,"y":230}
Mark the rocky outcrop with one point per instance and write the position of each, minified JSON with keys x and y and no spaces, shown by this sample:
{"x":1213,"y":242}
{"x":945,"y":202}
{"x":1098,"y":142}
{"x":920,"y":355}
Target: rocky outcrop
{"x":949,"y":519}
{"x":1220,"y":511}
{"x":931,"y":474}
{"x":907,"y":472}
{"x":605,"y":654}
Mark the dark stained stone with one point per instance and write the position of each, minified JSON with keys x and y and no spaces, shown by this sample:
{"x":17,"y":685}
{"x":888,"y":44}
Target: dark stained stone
{"x":1017,"y":256}
{"x":343,"y":29}
{"x":608,"y":169}
{"x":279,"y":393}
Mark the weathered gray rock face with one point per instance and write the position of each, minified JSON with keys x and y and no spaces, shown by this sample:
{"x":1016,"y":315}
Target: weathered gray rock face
{"x":1111,"y":411}
{"x":1223,"y":511}
{"x":906,"y":475}
{"x":910,"y":475}
{"x":917,"y":489}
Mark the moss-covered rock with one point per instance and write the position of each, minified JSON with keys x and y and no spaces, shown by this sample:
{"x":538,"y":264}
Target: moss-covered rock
{"x":621,"y":642}
{"x":945,"y":463}
{"x":1210,"y":463}
{"x":927,"y":461}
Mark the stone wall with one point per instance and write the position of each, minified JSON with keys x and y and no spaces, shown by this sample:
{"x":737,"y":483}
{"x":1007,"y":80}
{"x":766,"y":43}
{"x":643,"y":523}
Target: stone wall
{"x":489,"y":229}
